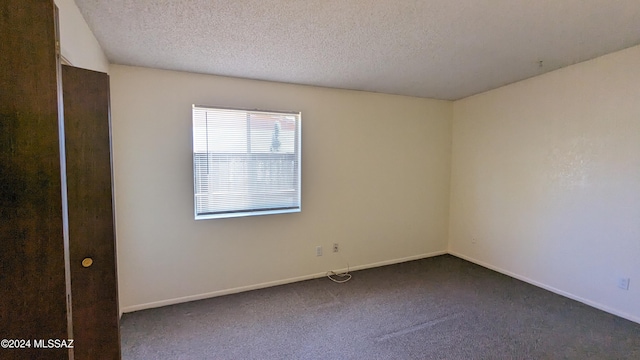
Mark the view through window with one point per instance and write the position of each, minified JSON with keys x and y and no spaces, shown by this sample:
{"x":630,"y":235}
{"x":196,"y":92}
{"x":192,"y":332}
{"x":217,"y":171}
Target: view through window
{"x":246,"y":162}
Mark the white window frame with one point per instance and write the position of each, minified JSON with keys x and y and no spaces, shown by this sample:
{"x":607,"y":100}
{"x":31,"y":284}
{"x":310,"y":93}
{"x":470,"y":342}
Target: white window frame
{"x":297,"y":165}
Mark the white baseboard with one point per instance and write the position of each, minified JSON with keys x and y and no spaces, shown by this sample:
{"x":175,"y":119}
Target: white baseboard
{"x":156,"y":304}
{"x":550,"y":288}
{"x":390,"y":262}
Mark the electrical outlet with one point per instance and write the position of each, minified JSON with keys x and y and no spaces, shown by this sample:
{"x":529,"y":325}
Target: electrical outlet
{"x":318,"y":250}
{"x":623,"y":283}
{"x":335,"y":247}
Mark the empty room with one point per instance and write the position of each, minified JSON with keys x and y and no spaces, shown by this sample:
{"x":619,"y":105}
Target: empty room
{"x":320,"y":179}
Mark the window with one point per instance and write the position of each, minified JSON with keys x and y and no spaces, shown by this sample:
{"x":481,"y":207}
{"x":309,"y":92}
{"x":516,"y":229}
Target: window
{"x":245,"y":162}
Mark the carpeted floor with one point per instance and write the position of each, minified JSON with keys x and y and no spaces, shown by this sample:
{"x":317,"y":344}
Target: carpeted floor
{"x":437,"y":308}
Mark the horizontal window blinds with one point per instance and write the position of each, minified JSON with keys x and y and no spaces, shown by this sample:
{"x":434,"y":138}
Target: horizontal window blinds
{"x":245,"y":162}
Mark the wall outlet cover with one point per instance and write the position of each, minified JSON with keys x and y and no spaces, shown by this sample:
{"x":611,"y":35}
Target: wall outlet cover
{"x":623,"y":283}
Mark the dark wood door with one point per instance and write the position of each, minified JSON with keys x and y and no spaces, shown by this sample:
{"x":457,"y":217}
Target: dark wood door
{"x":91,"y":223}
{"x":33,"y":303}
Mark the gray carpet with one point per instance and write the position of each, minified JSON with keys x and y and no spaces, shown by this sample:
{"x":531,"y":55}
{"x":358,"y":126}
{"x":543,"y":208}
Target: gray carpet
{"x":436,"y":308}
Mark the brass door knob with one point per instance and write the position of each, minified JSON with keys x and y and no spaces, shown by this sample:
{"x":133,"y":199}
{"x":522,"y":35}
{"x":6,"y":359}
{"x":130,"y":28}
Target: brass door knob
{"x":86,"y":262}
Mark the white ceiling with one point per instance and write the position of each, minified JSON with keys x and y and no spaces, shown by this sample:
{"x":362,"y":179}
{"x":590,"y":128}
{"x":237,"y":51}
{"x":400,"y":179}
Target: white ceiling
{"x":443,"y":49}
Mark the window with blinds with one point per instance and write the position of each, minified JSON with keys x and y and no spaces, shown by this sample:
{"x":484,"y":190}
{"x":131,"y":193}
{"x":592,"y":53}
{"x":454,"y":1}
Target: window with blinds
{"x":245,"y":162}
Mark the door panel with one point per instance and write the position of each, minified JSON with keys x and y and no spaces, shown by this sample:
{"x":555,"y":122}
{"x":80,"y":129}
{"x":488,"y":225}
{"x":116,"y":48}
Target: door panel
{"x":91,"y":225}
{"x":32,"y":266}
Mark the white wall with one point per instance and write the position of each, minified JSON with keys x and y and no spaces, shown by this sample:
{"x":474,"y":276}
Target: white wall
{"x":375,"y":179}
{"x":77,"y":43}
{"x":546,"y":178}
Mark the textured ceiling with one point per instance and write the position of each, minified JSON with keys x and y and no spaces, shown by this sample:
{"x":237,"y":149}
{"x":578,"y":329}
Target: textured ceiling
{"x":443,"y":49}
